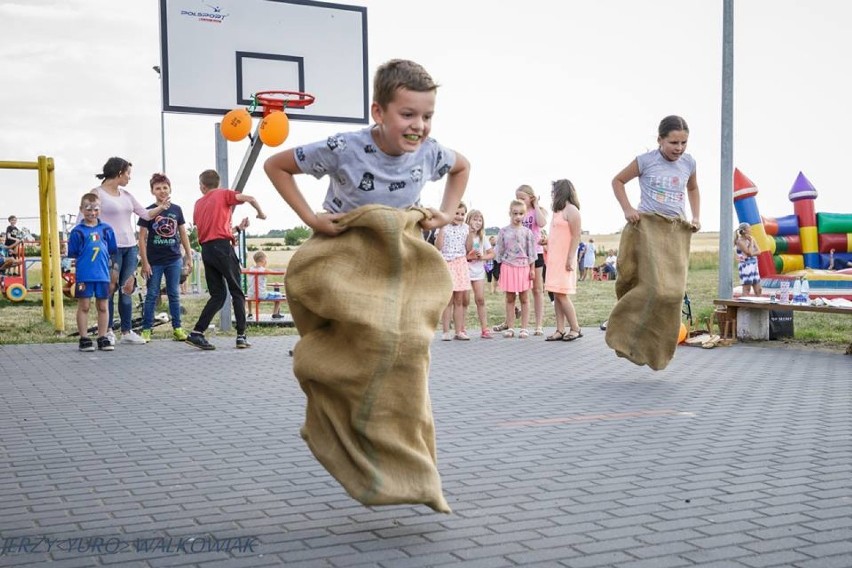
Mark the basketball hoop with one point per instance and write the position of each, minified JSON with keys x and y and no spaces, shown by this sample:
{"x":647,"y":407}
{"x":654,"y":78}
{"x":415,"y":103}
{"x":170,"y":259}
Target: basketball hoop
{"x":280,"y":100}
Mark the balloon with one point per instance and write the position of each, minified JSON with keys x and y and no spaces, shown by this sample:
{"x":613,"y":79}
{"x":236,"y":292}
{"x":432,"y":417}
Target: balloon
{"x":681,"y":336}
{"x":274,"y":128}
{"x":236,"y":125}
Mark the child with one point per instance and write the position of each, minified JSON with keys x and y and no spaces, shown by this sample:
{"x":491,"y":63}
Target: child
{"x":747,"y":251}
{"x":535,"y":220}
{"x":212,"y":215}
{"x":494,"y":272}
{"x":455,"y":242}
{"x":160,"y":241}
{"x":92,"y":242}
{"x":516,"y":253}
{"x":477,"y":261}
{"x":257,"y":285}
{"x":14,"y":237}
{"x":654,"y":248}
{"x":666,"y":175}
{"x":386,"y":164}
{"x":565,"y":231}
{"x":589,"y":260}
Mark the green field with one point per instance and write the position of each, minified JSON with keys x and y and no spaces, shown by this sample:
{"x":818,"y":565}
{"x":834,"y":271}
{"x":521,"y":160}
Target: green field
{"x":22,"y":322}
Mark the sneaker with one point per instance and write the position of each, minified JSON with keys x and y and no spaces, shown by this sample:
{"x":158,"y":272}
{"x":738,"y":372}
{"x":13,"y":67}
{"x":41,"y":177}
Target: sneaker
{"x":146,"y":335}
{"x":86,"y":344}
{"x":486,"y":334}
{"x":447,"y":336}
{"x":132,"y":338}
{"x":277,"y":316}
{"x":104,"y":344}
{"x":198,"y":340}
{"x":111,"y":336}
{"x":242,"y":342}
{"x":179,"y":334}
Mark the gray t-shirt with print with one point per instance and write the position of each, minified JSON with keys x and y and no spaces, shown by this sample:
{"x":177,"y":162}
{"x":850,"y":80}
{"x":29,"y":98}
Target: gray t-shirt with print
{"x":663,"y":183}
{"x":361,"y":174}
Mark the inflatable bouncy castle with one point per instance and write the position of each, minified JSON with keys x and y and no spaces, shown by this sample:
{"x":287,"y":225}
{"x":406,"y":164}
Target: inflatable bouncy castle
{"x":799,"y":244}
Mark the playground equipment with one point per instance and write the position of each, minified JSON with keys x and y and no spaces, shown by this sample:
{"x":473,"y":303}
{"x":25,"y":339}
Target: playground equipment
{"x":51,"y":274}
{"x":798,"y":245}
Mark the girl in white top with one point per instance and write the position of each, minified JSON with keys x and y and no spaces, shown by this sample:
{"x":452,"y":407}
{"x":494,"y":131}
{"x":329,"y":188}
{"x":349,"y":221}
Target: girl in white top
{"x":455,"y":241}
{"x":476,"y":258}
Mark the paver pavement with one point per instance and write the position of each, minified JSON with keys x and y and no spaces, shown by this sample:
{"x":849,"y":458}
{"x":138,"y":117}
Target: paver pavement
{"x":551,"y":455}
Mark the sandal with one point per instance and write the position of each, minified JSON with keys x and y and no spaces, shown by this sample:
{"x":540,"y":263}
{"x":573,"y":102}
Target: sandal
{"x":538,"y":331}
{"x":523,"y":334}
{"x":557,"y":336}
{"x":572,"y":335}
{"x":501,"y":327}
{"x":462,"y":336}
{"x":486,"y":334}
{"x":508,"y":333}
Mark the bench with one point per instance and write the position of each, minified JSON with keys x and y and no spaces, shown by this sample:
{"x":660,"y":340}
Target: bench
{"x":752,"y":318}
{"x":253,"y":303}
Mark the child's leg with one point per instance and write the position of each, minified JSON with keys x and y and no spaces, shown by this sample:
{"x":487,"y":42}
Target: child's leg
{"x":459,"y":311}
{"x":445,"y":316}
{"x":172,"y":274}
{"x":83,"y":316}
{"x":479,"y":298}
{"x":152,"y":293}
{"x":510,"y":309}
{"x":102,"y":306}
{"x":525,"y":308}
{"x":276,"y":309}
{"x":538,"y":296}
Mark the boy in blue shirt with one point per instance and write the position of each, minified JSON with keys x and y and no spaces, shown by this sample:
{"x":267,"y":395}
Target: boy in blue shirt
{"x":92,"y":243}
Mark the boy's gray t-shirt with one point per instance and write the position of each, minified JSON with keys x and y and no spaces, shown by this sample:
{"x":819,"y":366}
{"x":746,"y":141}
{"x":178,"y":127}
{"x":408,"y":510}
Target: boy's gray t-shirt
{"x":663,"y":183}
{"x":361,"y":174}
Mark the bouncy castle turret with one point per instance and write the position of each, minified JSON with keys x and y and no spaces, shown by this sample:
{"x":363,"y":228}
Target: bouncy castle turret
{"x":803,"y":194}
{"x":747,"y":212}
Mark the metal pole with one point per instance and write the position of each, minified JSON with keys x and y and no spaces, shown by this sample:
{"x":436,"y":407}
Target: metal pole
{"x":162,"y":121}
{"x":222,"y":169}
{"x":726,"y":181}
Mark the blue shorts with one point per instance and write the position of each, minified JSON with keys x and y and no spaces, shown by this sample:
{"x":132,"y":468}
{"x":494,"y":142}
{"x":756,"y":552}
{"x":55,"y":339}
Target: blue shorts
{"x":99,"y":290}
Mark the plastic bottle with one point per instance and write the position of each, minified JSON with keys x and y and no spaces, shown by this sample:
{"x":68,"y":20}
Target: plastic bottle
{"x":797,"y":291}
{"x":806,"y":291}
{"x":785,"y":292}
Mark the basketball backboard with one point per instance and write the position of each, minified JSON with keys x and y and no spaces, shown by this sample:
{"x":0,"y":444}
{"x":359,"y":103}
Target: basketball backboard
{"x":216,"y":53}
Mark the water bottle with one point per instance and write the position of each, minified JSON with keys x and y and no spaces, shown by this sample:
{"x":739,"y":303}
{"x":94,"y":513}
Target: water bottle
{"x":806,"y":291}
{"x":797,"y":291}
{"x":785,"y":292}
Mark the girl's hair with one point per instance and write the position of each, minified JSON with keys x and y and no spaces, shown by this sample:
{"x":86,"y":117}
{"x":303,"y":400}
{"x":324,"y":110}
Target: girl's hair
{"x":400,"y":74}
{"x":741,"y":229}
{"x":113,"y":168}
{"x":671,"y":123}
{"x":160,"y":178}
{"x":526,"y":189}
{"x":563,"y":194}
{"x":481,"y":232}
{"x":517,"y":203}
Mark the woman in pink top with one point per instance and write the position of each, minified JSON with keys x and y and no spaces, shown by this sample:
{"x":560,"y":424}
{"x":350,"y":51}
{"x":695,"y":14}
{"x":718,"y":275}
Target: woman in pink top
{"x":117,"y":207}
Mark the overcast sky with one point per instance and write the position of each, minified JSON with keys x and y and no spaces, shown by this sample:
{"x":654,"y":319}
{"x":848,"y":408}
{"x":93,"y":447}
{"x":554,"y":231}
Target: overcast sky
{"x":530,"y":92}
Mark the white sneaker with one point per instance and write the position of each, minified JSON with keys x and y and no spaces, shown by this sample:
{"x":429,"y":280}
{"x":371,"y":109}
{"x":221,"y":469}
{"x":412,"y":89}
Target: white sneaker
{"x":132,"y":338}
{"x":111,"y":336}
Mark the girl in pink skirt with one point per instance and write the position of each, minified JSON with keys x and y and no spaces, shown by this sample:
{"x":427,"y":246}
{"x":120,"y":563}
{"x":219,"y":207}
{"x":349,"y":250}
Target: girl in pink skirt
{"x":455,"y":241}
{"x":516,"y":253}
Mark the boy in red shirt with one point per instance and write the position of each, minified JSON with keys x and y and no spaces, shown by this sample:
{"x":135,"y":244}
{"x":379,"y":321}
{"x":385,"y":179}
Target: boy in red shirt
{"x":212,"y":218}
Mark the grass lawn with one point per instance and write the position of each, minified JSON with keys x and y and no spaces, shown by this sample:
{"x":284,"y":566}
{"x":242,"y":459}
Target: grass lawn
{"x":22,"y":322}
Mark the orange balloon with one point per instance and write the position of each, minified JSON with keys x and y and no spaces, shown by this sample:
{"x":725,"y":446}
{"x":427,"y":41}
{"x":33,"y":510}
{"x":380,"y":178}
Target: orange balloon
{"x":274,"y":128}
{"x":236,"y":125}
{"x":681,"y":336}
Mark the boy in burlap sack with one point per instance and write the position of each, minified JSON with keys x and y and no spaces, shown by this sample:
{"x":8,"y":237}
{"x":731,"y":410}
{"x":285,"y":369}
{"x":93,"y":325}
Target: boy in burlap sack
{"x":366,"y":291}
{"x":654,"y":251}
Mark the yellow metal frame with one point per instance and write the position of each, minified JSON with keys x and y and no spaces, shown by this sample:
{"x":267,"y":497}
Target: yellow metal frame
{"x":51,"y":273}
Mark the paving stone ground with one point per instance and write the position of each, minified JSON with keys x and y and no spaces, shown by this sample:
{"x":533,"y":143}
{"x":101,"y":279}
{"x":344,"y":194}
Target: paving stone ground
{"x":550,"y":454}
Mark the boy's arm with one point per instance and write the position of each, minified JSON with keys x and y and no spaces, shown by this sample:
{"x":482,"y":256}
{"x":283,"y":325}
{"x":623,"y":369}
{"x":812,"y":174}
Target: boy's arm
{"x":184,"y":241}
{"x":143,"y":251}
{"x":453,"y":193}
{"x":243,"y":198}
{"x":281,"y":169}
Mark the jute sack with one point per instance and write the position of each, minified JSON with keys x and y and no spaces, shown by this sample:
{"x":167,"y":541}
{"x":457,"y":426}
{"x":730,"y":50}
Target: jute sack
{"x":366,"y":304}
{"x":653,"y":260}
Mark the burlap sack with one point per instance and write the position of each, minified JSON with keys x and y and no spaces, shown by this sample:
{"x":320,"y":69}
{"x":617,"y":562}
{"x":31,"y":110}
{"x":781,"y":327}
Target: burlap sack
{"x":653,"y":260}
{"x":366,"y":304}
